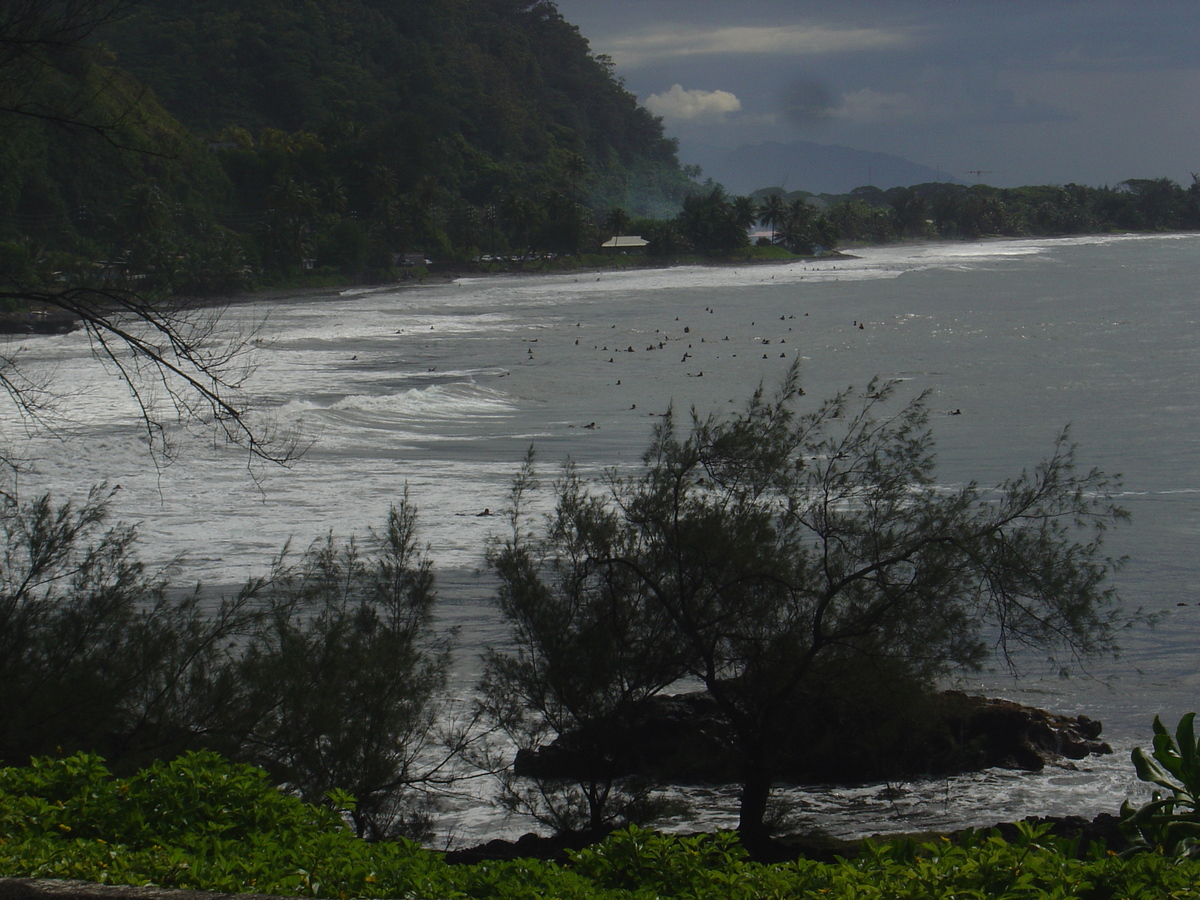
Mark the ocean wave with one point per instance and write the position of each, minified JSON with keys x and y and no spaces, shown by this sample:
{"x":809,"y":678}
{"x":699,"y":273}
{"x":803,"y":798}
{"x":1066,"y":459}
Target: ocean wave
{"x":432,"y":405}
{"x":382,"y":327}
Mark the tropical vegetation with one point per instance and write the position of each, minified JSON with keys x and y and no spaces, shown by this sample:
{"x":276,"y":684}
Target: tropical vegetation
{"x":98,"y":653}
{"x":202,"y":823}
{"x":1170,"y":822}
{"x":802,"y":566}
{"x":162,"y":149}
{"x":203,"y":149}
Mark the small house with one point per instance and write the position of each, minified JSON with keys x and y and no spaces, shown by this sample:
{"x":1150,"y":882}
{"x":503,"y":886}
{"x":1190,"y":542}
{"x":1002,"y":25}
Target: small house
{"x":625,"y":242}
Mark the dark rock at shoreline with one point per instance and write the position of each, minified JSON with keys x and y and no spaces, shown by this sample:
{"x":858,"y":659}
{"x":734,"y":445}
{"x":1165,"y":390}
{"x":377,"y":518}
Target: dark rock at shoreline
{"x":683,"y":739}
{"x":54,"y":321}
{"x":1011,"y":736}
{"x":1104,"y":830}
{"x":528,"y":846}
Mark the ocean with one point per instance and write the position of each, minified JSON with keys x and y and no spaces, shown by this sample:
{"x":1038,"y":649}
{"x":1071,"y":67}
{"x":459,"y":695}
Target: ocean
{"x":441,"y":389}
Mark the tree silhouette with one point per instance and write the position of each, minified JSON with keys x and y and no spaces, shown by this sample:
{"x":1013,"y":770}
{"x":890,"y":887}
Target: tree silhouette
{"x":791,"y":553}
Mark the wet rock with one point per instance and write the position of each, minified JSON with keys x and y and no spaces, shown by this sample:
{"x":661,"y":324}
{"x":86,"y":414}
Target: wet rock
{"x":527,"y":846}
{"x":53,"y":321}
{"x":683,"y":739}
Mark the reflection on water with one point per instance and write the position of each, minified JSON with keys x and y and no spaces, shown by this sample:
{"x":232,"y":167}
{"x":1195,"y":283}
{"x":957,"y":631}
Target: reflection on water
{"x":443,"y":388}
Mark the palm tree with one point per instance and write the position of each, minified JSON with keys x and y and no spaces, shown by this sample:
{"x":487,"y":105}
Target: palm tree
{"x":745,"y":214}
{"x":616,"y":221}
{"x":771,"y":212}
{"x":797,"y":233}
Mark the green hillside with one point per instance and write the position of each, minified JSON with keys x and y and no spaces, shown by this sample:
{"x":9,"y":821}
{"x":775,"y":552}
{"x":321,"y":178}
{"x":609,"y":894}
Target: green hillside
{"x":339,"y":133}
{"x":485,"y":96}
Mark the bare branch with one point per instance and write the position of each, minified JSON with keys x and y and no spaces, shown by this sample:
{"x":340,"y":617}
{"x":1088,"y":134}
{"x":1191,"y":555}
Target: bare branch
{"x":179,"y":364}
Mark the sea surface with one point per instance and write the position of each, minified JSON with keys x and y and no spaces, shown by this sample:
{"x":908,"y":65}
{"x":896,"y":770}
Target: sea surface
{"x":441,"y":389}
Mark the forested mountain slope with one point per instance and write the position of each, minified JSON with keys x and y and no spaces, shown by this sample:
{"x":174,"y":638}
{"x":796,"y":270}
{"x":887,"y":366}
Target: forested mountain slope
{"x":507,"y":85}
{"x":240,"y":138}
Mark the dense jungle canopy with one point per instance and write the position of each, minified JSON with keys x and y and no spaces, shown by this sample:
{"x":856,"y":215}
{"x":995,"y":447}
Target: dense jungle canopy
{"x":205,"y":146}
{"x":346,"y":129}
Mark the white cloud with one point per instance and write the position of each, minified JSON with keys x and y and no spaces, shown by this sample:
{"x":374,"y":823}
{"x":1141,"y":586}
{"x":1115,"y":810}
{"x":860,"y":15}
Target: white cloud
{"x":788,"y":40}
{"x":690,"y":106}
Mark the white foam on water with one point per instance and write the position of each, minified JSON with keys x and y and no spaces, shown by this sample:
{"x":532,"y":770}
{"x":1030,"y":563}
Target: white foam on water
{"x":433,"y":406}
{"x":450,"y":412}
{"x":374,"y":324}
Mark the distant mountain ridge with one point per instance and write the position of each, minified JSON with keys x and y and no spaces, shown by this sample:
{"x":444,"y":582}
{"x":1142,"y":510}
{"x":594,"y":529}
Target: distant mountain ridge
{"x":817,"y":168}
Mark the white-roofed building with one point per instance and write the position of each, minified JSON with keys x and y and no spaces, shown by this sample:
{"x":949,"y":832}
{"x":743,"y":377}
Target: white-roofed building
{"x":625,"y":242}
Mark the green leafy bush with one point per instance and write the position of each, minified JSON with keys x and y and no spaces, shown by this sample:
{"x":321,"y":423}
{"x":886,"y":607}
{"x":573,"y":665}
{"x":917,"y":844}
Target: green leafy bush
{"x":198,"y":822}
{"x":636,"y":858}
{"x":1169,"y":823}
{"x":203,"y":823}
{"x":97,"y":654}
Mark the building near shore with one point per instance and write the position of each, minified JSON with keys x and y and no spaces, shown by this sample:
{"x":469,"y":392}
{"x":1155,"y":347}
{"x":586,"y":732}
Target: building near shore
{"x":625,"y":242}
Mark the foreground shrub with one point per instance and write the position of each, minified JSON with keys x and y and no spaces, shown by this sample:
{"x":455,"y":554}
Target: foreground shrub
{"x":98,"y":654}
{"x":1170,"y":822}
{"x":203,"y":823}
{"x":198,"y":823}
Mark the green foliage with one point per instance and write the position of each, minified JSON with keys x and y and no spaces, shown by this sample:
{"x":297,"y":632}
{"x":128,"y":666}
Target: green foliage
{"x":206,"y":824}
{"x":353,"y":130}
{"x":1170,"y":822}
{"x":340,"y":682}
{"x":582,"y":652}
{"x":483,"y":96}
{"x":638,"y":860}
{"x":349,"y":131}
{"x":328,"y":673}
{"x":870,"y":215}
{"x":771,"y":252}
{"x":94,"y":652}
{"x":195,"y":823}
{"x":712,"y":222}
{"x":968,"y":212}
{"x":775,"y":556}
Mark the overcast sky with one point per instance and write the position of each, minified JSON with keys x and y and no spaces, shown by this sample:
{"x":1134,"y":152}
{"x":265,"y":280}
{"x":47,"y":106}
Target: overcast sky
{"x":1032,"y":91}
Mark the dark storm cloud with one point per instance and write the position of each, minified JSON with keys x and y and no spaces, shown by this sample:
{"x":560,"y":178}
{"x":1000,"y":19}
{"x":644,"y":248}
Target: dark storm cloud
{"x":808,"y":102}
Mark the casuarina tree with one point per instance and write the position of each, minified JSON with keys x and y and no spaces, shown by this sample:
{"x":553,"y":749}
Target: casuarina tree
{"x":585,"y":650}
{"x":794,"y":553}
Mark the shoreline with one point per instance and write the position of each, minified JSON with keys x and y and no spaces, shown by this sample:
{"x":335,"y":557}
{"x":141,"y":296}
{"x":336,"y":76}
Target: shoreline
{"x":784,"y":848}
{"x":496,"y":285}
{"x":449,"y":274}
{"x":55,"y":321}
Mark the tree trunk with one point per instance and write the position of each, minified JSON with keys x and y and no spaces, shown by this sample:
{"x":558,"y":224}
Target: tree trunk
{"x":756,"y":789}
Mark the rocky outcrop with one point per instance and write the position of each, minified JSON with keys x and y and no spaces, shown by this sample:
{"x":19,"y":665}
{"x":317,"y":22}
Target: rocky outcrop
{"x":684,"y":739}
{"x":1004,"y":734}
{"x":38,"y":321}
{"x":1102,"y":831}
{"x":552,"y":847}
